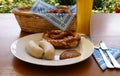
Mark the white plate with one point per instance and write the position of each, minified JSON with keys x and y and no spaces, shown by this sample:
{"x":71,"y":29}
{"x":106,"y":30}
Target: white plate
{"x":18,"y":49}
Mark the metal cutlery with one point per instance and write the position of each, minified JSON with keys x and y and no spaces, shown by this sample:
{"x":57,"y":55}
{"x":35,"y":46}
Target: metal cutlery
{"x":104,"y":47}
{"x":113,"y":60}
{"x":107,"y":62}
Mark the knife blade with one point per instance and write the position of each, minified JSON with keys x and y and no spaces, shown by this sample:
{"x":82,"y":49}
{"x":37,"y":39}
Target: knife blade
{"x":113,"y":60}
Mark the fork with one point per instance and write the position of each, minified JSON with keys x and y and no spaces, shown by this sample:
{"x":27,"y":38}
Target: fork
{"x":107,"y":62}
{"x":113,"y":60}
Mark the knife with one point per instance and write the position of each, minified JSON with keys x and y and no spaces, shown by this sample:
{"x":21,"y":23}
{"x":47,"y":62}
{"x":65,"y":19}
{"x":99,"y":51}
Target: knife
{"x":113,"y":60}
{"x":107,"y":62}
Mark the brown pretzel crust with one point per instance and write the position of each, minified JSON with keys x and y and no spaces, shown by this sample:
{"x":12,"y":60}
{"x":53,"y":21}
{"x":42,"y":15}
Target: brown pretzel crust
{"x":62,"y":39}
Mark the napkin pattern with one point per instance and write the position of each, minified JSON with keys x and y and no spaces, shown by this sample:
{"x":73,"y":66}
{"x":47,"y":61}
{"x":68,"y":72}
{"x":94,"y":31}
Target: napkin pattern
{"x":61,"y":21}
{"x":73,"y":8}
{"x":99,"y":59}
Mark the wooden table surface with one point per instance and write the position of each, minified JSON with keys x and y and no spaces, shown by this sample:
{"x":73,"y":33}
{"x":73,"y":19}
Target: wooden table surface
{"x":103,"y":27}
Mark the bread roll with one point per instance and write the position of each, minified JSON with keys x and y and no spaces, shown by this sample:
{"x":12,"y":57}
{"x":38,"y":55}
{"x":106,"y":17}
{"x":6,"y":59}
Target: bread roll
{"x":49,"y":50}
{"x":34,"y":49}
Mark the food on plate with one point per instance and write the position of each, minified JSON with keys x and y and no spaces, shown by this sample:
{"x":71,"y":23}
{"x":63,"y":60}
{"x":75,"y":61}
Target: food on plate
{"x":43,"y":49}
{"x":49,"y":50}
{"x":69,"y":54}
{"x":62,"y":39}
{"x":34,"y":49}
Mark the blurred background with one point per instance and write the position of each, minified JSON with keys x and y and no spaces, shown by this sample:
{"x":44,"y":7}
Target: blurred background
{"x":99,"y":6}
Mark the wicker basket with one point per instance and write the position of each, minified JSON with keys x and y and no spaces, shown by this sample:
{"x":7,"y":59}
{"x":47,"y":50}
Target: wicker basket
{"x":34,"y":24}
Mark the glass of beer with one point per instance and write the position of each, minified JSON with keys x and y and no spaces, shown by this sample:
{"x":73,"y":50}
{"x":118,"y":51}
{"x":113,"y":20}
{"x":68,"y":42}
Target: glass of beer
{"x":84,"y":8}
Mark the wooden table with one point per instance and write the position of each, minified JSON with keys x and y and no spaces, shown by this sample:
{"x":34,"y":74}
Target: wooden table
{"x":103,"y":27}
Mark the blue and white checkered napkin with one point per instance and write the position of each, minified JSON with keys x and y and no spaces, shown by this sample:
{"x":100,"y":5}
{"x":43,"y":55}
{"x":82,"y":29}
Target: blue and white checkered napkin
{"x":61,"y":21}
{"x":99,"y":59}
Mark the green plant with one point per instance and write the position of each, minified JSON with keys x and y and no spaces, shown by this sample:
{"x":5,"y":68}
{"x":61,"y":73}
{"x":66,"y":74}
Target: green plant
{"x":7,"y":6}
{"x":99,"y":6}
{"x":104,"y":6}
{"x":52,"y":2}
{"x":67,"y":2}
{"x":4,"y":6}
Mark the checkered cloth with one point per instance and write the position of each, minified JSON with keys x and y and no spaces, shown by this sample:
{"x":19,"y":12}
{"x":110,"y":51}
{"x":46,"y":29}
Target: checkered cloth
{"x":61,"y":21}
{"x":99,"y":59}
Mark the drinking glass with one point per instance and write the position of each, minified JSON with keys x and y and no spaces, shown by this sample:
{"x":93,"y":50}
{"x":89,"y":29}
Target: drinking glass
{"x":84,"y":8}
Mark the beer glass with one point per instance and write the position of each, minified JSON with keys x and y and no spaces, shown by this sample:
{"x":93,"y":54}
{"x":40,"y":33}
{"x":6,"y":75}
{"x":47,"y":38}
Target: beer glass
{"x":84,"y":8}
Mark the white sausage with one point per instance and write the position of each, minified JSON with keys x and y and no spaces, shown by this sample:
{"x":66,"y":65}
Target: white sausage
{"x":49,"y":50}
{"x":34,"y":49}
